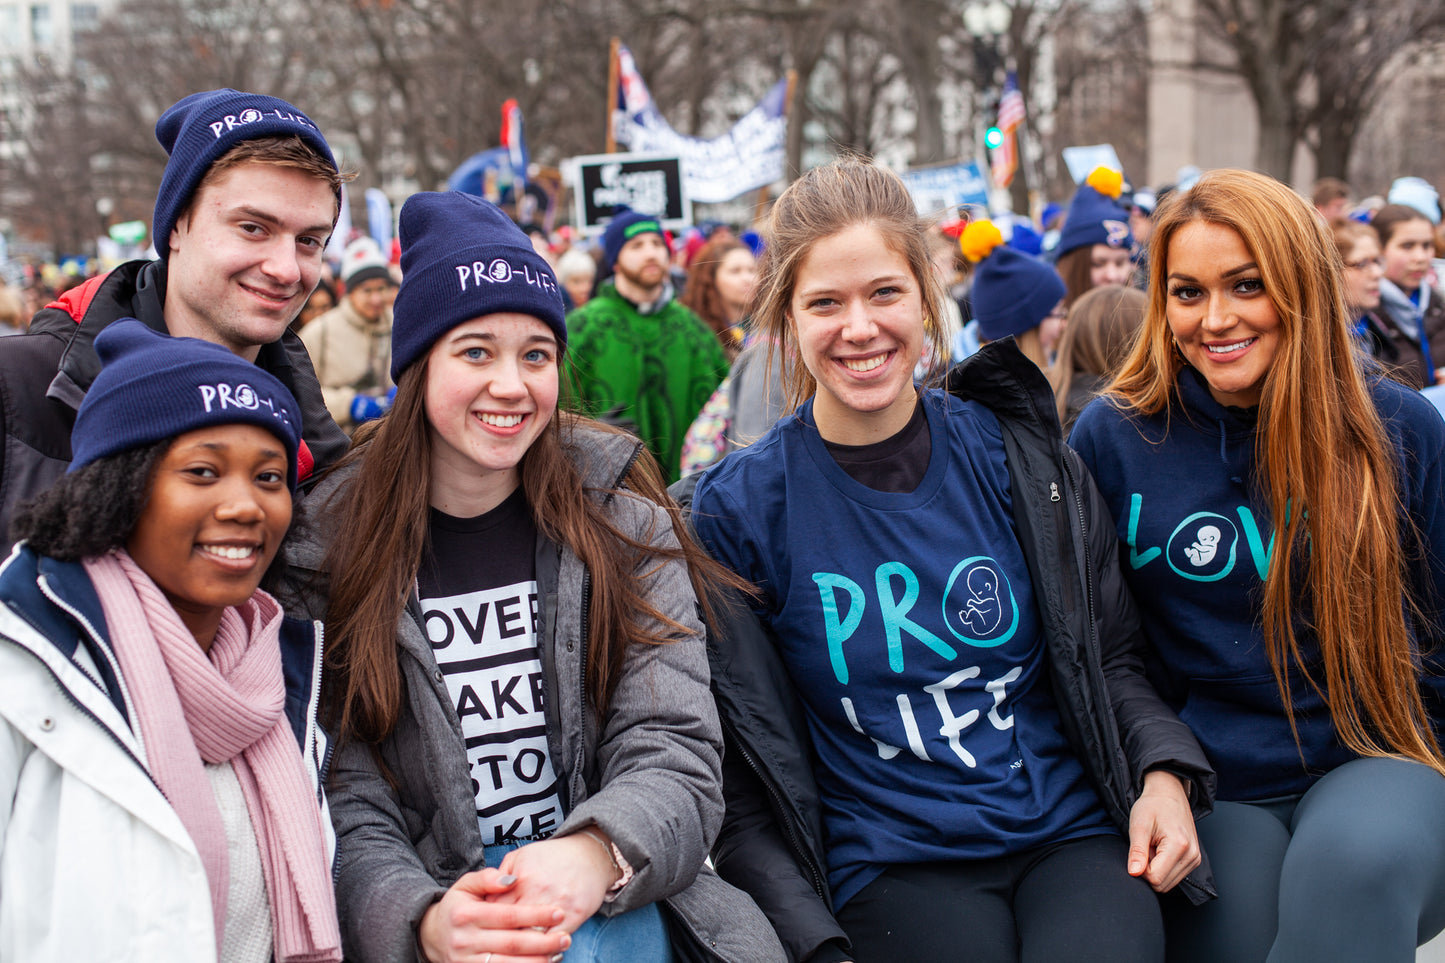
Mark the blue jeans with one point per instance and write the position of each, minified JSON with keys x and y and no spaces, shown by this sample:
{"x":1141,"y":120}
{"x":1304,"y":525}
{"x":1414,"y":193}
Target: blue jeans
{"x":637,"y":936}
{"x":1352,"y":870}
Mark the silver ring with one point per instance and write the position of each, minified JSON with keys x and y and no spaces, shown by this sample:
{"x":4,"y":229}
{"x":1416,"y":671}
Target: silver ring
{"x":488,"y":957}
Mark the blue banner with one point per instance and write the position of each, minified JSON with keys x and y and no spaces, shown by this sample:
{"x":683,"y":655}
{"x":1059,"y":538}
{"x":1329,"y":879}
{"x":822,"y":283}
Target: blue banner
{"x":938,"y":189}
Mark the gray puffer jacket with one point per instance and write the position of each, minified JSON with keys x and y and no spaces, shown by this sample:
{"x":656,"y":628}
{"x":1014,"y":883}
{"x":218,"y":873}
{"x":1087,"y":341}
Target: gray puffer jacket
{"x":649,"y":775}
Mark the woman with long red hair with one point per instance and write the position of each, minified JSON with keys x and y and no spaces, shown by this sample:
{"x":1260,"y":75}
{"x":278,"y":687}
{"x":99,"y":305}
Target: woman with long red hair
{"x":1279,"y":503}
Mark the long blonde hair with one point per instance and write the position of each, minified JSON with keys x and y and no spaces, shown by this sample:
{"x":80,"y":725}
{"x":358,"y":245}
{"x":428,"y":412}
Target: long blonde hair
{"x":1326,"y":466}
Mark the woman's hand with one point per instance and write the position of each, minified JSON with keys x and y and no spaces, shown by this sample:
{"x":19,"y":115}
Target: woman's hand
{"x":572,"y":872}
{"x":1163,"y":844}
{"x":468,"y":925}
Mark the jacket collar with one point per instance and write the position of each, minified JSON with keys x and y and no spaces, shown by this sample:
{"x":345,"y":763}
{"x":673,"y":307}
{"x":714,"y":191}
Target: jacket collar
{"x":1404,"y":312}
{"x":377,"y":328}
{"x":56,"y":598}
{"x":59,"y":601}
{"x":79,"y":364}
{"x":1002,"y":378}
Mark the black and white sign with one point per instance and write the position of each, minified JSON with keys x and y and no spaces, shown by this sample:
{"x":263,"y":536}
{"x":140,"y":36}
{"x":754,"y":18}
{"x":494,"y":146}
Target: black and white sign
{"x":647,"y":183}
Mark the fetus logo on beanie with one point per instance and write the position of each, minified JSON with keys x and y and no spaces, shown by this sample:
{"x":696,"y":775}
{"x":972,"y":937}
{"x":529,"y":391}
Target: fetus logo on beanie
{"x":251,"y":115}
{"x":242,"y":397}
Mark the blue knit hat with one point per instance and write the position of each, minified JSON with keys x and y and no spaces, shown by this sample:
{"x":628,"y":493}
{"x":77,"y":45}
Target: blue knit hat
{"x":1095,"y":216}
{"x":197,"y":130}
{"x":153,"y":386}
{"x":1012,"y":292}
{"x":461,"y":258}
{"x":624,"y":226}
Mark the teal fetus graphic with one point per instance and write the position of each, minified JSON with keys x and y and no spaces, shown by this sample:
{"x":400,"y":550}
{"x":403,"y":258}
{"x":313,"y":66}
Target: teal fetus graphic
{"x":979,"y":607}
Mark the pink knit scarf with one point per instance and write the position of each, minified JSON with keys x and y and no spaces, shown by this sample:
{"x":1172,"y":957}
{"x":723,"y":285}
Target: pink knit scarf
{"x":225,"y":707}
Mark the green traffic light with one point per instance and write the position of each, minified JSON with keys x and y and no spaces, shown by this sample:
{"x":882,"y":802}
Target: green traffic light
{"x":993,"y":137}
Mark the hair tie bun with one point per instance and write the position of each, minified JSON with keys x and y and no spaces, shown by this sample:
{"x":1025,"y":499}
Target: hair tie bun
{"x":979,"y":239}
{"x":1108,"y":182}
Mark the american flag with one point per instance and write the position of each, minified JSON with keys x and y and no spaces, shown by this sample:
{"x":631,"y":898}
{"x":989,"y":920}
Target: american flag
{"x":1005,"y":160}
{"x":1010,"y":105}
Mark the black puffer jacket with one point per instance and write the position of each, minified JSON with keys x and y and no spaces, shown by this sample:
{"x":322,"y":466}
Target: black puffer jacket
{"x":45,"y":374}
{"x":772,"y":840}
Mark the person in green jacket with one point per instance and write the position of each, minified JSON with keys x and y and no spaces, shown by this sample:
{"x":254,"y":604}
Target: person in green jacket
{"x":637,"y":355}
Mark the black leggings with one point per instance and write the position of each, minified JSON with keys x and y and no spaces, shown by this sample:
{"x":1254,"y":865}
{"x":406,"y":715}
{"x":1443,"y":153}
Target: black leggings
{"x":1067,"y":901}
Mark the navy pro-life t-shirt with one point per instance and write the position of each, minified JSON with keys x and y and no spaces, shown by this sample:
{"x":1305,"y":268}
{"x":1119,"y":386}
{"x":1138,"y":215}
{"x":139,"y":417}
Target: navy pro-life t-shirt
{"x":907,"y":622}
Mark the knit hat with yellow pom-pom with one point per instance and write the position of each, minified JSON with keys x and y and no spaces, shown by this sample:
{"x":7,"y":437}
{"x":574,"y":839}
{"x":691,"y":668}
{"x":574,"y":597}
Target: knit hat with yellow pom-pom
{"x":1012,"y":292}
{"x":1095,"y":216}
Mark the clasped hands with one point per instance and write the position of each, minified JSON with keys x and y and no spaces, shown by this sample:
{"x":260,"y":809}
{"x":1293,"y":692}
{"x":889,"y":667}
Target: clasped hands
{"x":525,"y":910}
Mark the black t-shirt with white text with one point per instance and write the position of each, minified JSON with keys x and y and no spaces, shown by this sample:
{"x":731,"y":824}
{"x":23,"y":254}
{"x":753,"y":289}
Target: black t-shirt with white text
{"x":478,"y":588}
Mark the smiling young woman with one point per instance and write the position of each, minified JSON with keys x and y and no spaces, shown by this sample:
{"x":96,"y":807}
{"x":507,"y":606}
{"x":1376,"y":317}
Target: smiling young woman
{"x":135,"y":641}
{"x":912,"y":552}
{"x":513,"y":644}
{"x":1278,"y":499}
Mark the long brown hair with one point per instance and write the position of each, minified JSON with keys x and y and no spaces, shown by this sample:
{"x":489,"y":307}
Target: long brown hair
{"x":821,"y":203}
{"x":380,"y":521}
{"x":1327,"y":467}
{"x":1077,"y":269}
{"x":1102,"y":326}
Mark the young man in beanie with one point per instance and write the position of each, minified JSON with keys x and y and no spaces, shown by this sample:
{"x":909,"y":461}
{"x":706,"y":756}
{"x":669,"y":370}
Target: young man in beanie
{"x":350,"y":345}
{"x":637,"y":354}
{"x":247,"y":201}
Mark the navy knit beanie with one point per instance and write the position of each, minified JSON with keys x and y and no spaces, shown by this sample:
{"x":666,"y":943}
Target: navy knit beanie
{"x":1095,"y":216}
{"x":461,"y":258}
{"x":1012,"y":292}
{"x":624,"y":226}
{"x":197,"y":130}
{"x":153,"y":386}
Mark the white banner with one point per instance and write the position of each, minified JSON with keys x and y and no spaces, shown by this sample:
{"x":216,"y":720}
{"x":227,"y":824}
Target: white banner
{"x":753,"y":153}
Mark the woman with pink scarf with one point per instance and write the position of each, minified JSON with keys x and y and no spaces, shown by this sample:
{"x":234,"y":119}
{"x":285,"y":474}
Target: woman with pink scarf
{"x":159,"y":758}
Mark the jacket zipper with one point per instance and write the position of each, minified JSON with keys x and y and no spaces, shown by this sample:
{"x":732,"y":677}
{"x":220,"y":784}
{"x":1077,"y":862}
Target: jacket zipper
{"x":775,"y":799}
{"x":313,"y":703}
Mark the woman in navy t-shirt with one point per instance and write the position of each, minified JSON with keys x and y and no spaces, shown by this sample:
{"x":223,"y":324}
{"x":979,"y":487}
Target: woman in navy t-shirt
{"x":1279,"y":505}
{"x":944,"y":685}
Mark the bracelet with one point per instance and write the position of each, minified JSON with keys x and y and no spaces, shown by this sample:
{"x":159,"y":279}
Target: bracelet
{"x":624,"y":870}
{"x":593,"y":835}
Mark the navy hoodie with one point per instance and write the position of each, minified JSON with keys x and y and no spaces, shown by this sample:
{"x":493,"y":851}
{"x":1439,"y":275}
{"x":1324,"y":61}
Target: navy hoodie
{"x":1196,"y":536}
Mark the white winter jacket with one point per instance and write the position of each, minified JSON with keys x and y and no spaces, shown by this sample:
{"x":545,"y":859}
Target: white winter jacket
{"x":94,"y":863}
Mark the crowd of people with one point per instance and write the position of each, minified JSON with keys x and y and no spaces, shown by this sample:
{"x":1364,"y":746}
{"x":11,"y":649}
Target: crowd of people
{"x":858,"y":589}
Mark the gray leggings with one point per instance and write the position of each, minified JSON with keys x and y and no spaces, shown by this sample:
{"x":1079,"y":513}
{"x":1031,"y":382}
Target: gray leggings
{"x":1352,"y":870}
